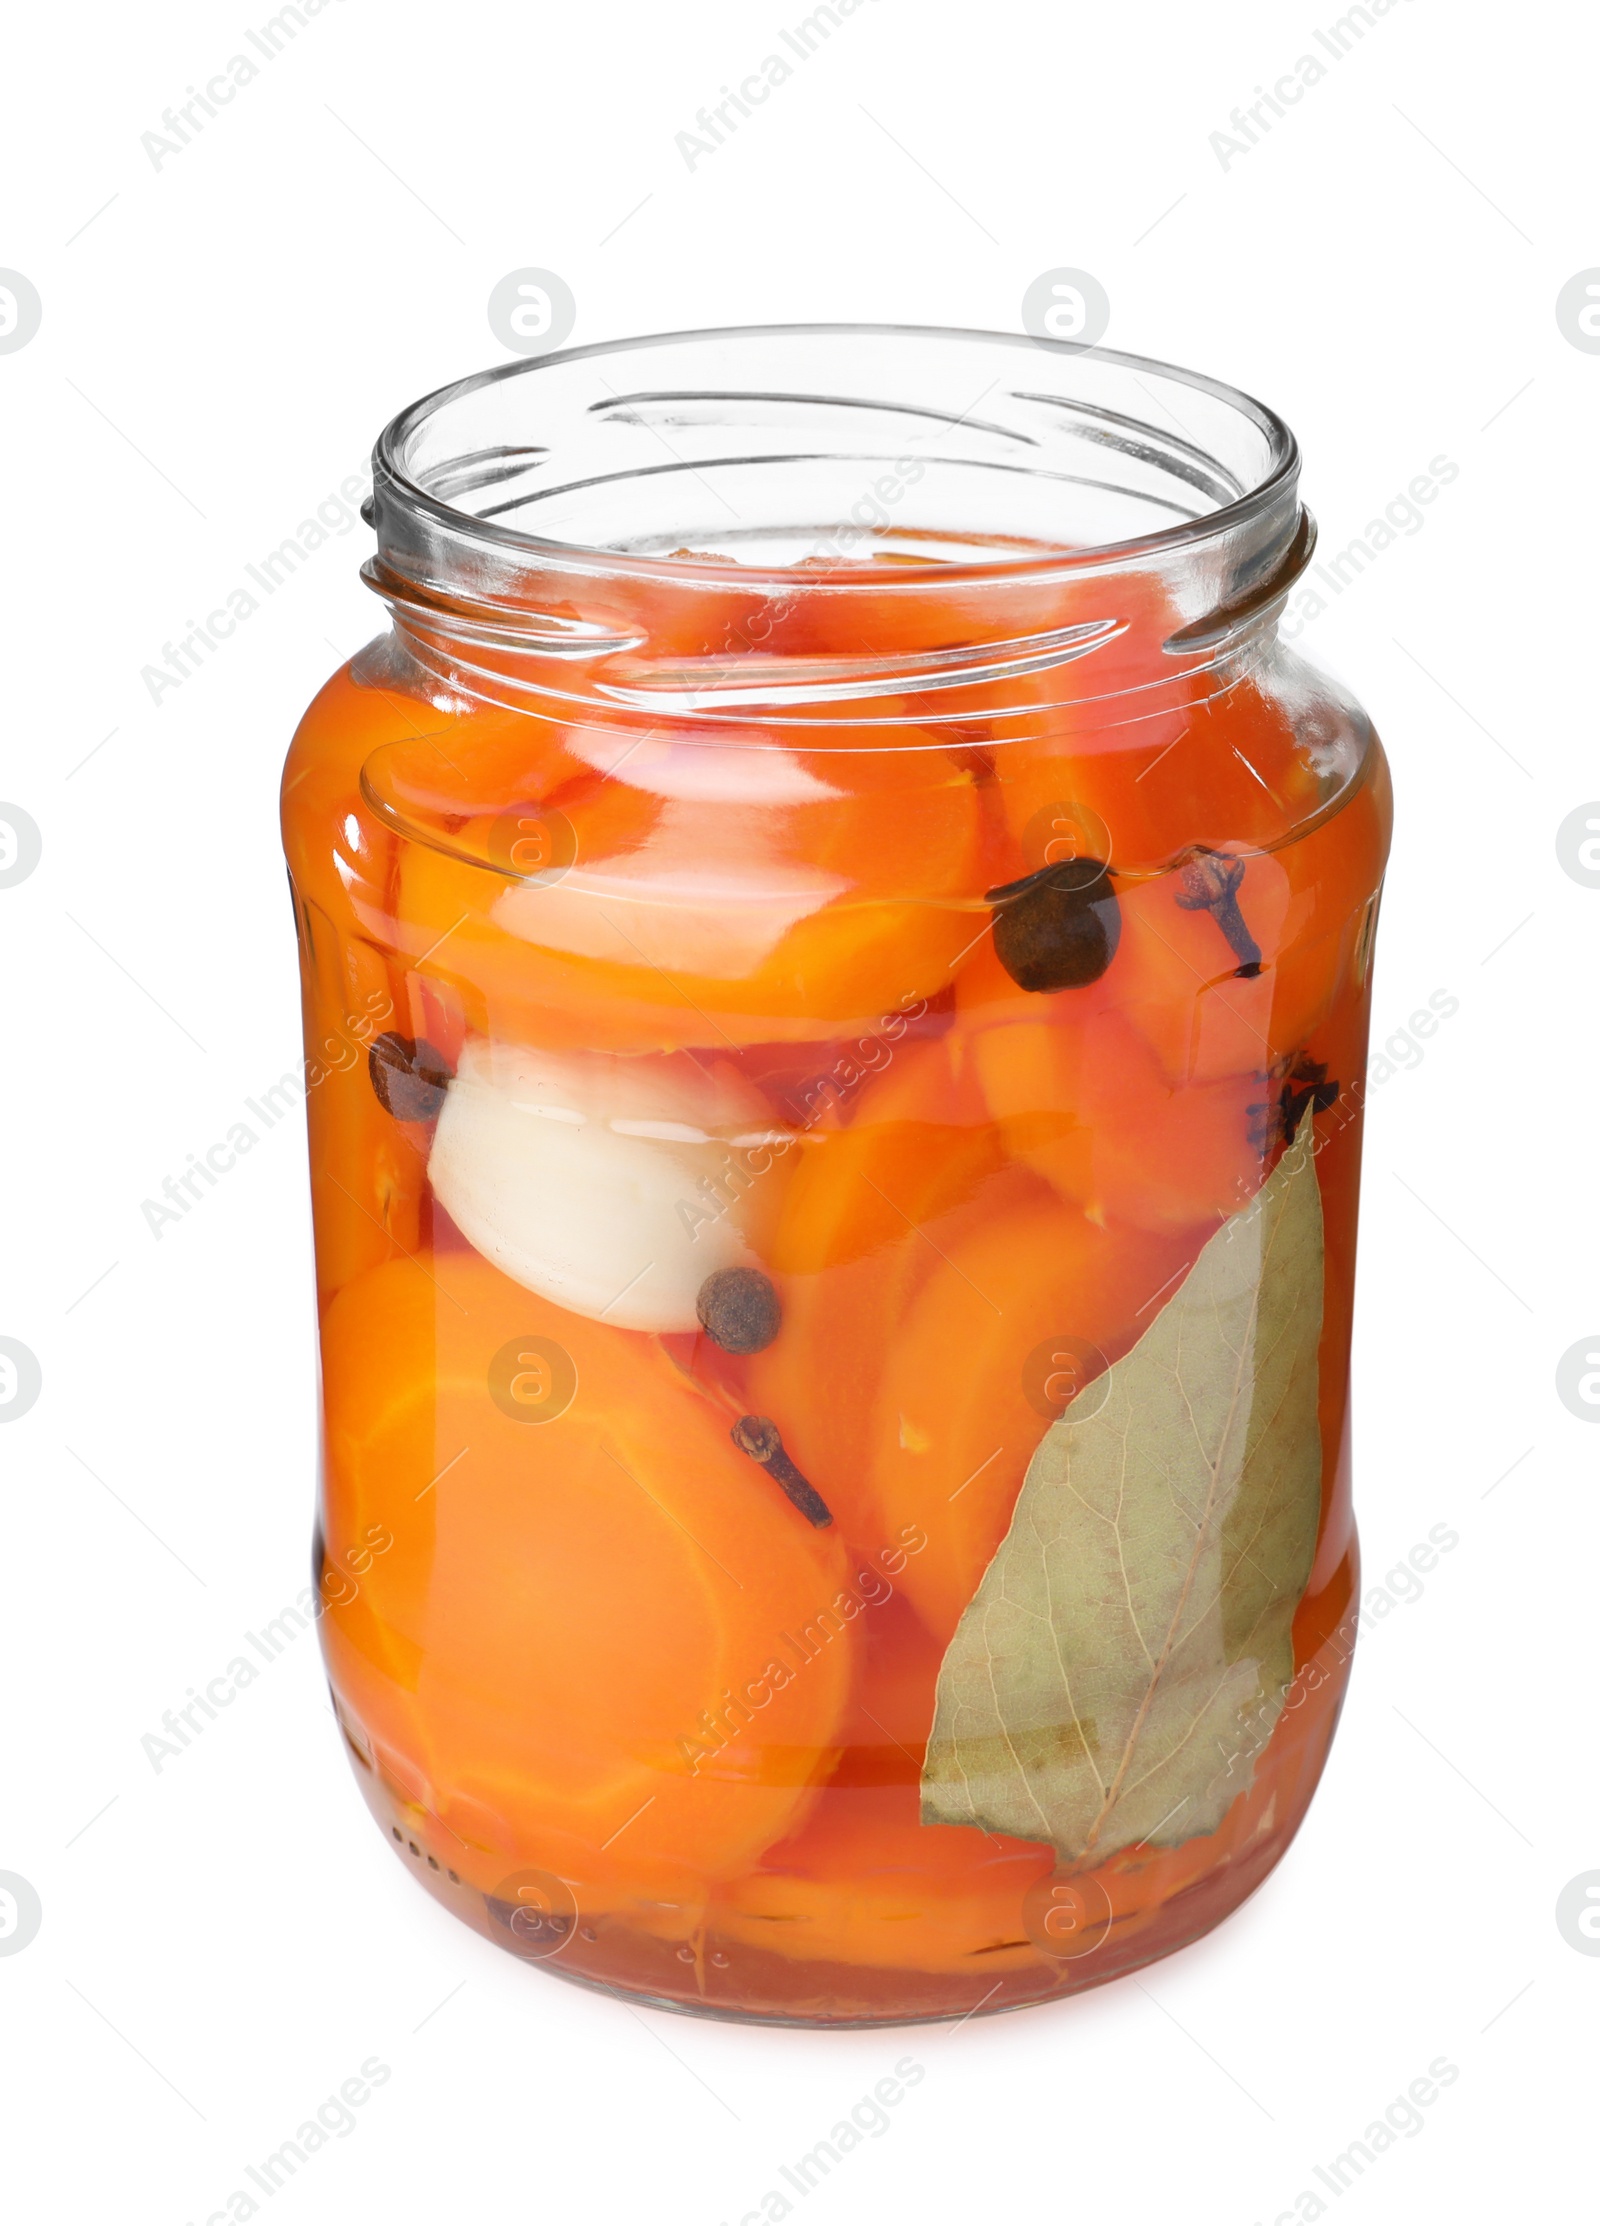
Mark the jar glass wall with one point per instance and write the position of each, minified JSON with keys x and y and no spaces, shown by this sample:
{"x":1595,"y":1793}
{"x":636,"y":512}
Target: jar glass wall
{"x":836,"y":948}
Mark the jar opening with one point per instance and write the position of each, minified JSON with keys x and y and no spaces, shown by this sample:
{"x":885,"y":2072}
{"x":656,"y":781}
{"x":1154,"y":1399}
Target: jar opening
{"x":1016,"y":503}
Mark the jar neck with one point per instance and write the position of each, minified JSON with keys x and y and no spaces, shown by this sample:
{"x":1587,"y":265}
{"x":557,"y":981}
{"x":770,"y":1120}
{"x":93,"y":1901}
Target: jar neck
{"x":801,"y":529}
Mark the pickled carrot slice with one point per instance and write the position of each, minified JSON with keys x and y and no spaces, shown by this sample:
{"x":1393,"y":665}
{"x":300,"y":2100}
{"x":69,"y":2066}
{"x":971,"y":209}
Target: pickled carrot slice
{"x":756,"y":894}
{"x":605,"y":1708}
{"x":864,"y":1881}
{"x":1080,"y":1097}
{"x":1219,"y":770}
{"x":863,"y":1222}
{"x":1023,"y":1310}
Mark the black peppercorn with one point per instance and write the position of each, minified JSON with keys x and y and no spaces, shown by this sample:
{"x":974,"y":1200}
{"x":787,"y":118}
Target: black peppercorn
{"x":739,"y":1310}
{"x":1059,"y":927}
{"x":410,"y":1078}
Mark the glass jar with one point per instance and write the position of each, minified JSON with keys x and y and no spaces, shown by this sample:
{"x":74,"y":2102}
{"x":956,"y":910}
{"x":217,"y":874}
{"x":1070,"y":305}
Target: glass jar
{"x":836,"y":947}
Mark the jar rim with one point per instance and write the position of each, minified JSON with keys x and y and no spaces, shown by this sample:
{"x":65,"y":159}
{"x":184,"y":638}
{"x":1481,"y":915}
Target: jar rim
{"x":1267,"y":489}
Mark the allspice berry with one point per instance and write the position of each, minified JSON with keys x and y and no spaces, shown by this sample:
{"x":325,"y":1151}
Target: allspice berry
{"x":739,"y":1309}
{"x":409,"y":1077}
{"x":1059,"y":927}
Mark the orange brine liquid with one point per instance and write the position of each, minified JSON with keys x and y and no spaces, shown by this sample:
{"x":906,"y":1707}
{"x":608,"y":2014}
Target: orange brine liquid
{"x":756,"y":1146}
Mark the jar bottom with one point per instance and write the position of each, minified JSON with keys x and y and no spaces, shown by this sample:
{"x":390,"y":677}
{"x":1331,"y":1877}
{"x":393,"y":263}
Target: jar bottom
{"x":735,"y":1982}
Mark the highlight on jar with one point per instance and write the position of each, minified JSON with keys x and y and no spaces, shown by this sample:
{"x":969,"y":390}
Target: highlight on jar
{"x":836,"y":1268}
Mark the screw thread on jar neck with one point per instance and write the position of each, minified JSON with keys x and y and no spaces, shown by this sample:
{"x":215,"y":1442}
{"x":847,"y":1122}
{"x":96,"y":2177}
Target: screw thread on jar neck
{"x":932,"y":535}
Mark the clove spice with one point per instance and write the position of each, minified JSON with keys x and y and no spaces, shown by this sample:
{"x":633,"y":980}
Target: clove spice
{"x":756,"y":1435}
{"x":1209,"y":882}
{"x":1307,"y":1090}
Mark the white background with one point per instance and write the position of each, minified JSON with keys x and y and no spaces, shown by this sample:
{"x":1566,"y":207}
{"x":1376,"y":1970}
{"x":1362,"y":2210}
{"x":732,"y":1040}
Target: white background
{"x":223,"y":1943}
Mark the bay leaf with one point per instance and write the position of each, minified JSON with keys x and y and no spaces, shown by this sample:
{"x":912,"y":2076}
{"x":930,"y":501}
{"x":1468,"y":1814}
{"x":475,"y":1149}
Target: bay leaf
{"x":1128,"y":1649}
